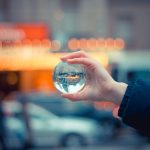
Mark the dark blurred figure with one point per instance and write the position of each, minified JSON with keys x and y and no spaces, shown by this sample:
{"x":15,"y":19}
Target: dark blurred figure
{"x":2,"y":126}
{"x":23,"y":100}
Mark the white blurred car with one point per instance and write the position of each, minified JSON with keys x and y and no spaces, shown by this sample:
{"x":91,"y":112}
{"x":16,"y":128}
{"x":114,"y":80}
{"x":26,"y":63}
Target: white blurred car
{"x":51,"y":130}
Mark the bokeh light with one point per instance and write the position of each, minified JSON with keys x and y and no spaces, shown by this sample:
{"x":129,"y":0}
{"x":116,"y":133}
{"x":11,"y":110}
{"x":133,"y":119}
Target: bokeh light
{"x":73,"y":44}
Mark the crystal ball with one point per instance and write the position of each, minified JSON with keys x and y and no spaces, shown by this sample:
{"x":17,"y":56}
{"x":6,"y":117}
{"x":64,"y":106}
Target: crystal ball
{"x":69,"y":78}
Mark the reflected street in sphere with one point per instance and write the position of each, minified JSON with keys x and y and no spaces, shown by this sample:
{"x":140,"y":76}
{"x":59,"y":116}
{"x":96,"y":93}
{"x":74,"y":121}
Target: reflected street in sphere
{"x":69,"y":78}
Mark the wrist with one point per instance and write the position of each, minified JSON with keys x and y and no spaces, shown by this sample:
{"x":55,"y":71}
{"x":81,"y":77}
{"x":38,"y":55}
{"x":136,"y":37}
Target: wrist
{"x":116,"y":91}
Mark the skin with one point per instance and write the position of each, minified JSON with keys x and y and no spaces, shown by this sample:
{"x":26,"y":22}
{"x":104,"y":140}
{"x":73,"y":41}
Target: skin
{"x":100,"y":85}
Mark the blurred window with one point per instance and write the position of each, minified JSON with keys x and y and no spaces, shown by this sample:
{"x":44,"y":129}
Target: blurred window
{"x":70,"y":5}
{"x":124,"y":28}
{"x":138,"y":74}
{"x":4,"y":9}
{"x":39,"y":113}
{"x":9,"y":82}
{"x":70,"y":10}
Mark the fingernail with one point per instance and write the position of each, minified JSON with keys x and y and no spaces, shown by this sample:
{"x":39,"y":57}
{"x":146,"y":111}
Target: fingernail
{"x":62,"y":59}
{"x":69,"y":60}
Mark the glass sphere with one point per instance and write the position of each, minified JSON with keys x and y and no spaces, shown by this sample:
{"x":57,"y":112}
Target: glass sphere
{"x":69,"y":78}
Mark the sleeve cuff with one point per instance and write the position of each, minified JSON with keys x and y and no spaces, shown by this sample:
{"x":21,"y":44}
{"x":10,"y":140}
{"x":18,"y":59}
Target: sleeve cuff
{"x":125,"y":101}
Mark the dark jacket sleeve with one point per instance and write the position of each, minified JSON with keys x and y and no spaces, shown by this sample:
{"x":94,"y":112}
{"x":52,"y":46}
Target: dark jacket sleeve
{"x":135,"y":106}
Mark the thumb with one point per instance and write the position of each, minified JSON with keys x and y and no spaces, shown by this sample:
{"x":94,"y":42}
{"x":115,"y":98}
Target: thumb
{"x":72,"y":97}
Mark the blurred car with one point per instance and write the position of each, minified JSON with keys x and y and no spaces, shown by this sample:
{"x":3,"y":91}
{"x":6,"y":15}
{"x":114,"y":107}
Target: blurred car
{"x":14,"y":127}
{"x":48,"y":129}
{"x":63,"y":107}
{"x":15,"y":136}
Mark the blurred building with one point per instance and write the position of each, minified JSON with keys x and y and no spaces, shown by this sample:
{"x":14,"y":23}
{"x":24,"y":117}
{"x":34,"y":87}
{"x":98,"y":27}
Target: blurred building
{"x":61,"y":20}
{"x":66,"y":17}
{"x":128,"y":19}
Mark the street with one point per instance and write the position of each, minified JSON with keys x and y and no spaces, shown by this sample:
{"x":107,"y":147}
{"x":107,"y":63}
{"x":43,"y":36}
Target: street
{"x":143,"y":147}
{"x":128,"y":140}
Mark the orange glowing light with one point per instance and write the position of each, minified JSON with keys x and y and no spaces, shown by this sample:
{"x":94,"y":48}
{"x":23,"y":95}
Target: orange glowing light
{"x":56,"y":45}
{"x":83,"y":43}
{"x":12,"y":78}
{"x":119,"y":43}
{"x":26,"y":59}
{"x":27,"y":42}
{"x":46,"y":43}
{"x":33,"y":31}
{"x":101,"y":57}
{"x":73,"y":44}
{"x":101,"y":43}
{"x":36,"y":42}
{"x":109,"y":43}
{"x":91,"y":43}
{"x":0,"y":44}
{"x":17,"y":43}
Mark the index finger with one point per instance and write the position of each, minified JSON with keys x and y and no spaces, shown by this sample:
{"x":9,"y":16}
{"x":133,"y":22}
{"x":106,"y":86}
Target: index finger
{"x":79,"y":54}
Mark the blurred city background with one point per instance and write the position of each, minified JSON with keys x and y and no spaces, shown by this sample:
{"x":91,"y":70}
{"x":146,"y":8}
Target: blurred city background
{"x":34,"y":34}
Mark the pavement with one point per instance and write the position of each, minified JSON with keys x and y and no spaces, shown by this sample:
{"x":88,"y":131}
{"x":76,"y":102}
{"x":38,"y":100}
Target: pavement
{"x":126,"y":141}
{"x":146,"y":147}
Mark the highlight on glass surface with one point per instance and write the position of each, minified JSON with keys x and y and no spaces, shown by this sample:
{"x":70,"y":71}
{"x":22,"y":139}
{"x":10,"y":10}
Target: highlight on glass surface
{"x":69,"y":78}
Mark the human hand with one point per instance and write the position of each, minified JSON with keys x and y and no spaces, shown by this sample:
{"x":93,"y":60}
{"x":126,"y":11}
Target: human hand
{"x":99,"y":85}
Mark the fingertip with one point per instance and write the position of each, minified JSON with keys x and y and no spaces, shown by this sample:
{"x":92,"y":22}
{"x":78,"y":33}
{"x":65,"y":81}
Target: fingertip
{"x":65,"y":95}
{"x":68,"y":96}
{"x":62,"y":58}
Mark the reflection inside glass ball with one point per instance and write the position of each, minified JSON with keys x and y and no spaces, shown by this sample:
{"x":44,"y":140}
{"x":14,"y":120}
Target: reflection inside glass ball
{"x":69,"y":78}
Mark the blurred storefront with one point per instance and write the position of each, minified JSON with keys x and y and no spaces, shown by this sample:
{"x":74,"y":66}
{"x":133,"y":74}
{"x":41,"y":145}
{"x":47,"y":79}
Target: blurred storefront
{"x":34,"y":39}
{"x":18,"y":44}
{"x":28,"y":56}
{"x":32,"y":73}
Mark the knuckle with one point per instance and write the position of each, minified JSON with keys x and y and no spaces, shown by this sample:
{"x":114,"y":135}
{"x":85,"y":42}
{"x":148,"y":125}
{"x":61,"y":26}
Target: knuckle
{"x":83,"y":53}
